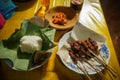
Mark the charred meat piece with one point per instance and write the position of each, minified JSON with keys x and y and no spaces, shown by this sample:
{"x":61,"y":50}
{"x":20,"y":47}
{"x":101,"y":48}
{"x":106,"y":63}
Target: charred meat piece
{"x":81,"y":48}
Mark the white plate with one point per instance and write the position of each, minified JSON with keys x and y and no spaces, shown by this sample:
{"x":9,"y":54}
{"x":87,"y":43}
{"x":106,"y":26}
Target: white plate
{"x":67,"y":61}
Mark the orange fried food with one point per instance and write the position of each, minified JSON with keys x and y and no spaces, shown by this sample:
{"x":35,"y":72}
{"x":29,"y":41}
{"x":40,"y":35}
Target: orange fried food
{"x":60,"y":18}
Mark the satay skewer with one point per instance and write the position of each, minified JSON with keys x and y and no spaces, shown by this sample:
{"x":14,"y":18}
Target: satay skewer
{"x":90,"y":52}
{"x":104,"y":66}
{"x":105,"y":62}
{"x":83,"y":47}
{"x":76,"y":62}
{"x":95,"y":49}
{"x":84,"y":69}
{"x":111,"y":70}
{"x":95,"y":68}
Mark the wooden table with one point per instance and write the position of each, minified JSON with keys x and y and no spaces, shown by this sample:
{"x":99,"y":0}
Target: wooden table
{"x":54,"y":69}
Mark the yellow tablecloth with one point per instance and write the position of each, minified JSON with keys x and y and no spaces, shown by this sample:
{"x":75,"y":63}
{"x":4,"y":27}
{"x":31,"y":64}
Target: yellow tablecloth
{"x":91,"y":16}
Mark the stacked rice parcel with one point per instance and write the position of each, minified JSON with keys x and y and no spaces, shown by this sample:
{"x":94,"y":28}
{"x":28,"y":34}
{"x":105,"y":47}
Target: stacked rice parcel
{"x":28,"y":47}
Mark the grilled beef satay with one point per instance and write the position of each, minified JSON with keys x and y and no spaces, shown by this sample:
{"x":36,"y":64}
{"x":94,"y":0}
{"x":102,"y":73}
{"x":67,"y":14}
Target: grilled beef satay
{"x":85,"y":49}
{"x":89,"y":48}
{"x":76,"y":47}
{"x":73,"y":56}
{"x":93,"y":43}
{"x":96,"y":50}
{"x":77,"y":52}
{"x":99,"y":60}
{"x":76,"y":61}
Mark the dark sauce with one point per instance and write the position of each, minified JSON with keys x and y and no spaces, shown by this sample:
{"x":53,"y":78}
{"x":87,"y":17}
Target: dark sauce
{"x":76,"y":4}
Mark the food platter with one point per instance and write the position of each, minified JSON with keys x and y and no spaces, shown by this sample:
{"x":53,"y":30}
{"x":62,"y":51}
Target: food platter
{"x":11,"y":49}
{"x":64,"y":54}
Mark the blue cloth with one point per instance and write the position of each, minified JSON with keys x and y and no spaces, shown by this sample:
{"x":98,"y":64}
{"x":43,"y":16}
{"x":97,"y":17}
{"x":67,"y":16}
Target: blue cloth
{"x":7,"y":8}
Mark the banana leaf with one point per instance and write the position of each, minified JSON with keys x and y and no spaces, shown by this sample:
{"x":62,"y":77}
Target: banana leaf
{"x":9,"y":49}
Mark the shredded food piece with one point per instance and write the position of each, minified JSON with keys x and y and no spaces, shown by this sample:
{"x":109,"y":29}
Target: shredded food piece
{"x":60,"y":18}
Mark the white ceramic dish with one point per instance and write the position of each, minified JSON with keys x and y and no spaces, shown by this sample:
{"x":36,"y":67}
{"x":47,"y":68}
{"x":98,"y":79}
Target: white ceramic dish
{"x":64,"y":55}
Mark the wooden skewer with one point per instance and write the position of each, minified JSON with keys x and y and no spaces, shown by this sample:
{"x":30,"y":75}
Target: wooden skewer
{"x":84,"y":70}
{"x":80,"y":69}
{"x":111,"y":70}
{"x":76,"y":61}
{"x":110,"y":75}
{"x":105,"y":65}
{"x":108,"y":69}
{"x":96,"y":68}
{"x":105,"y":62}
{"x":100,"y":61}
{"x":100,"y":71}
